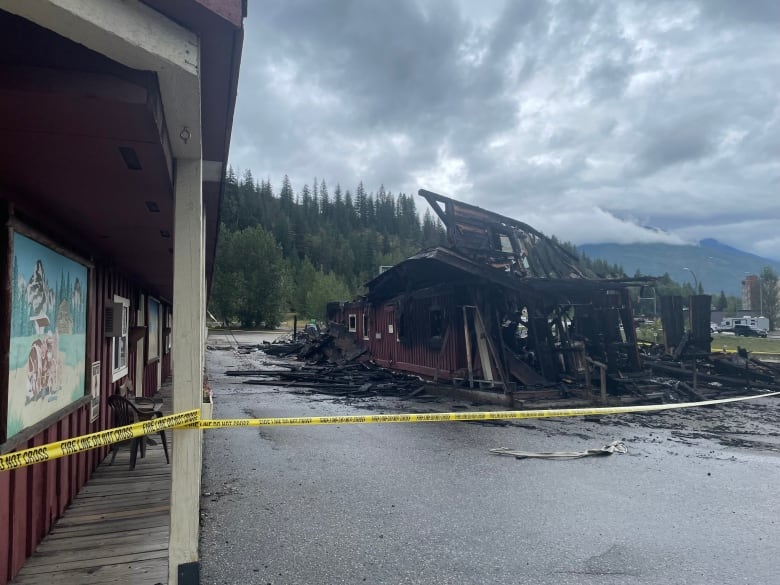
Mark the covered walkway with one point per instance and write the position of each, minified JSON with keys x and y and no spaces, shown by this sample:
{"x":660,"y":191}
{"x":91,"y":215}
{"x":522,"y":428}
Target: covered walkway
{"x":117,"y":528}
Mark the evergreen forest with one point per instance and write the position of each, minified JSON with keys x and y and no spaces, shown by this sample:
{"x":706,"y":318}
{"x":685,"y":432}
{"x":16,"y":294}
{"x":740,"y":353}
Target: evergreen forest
{"x":294,"y":251}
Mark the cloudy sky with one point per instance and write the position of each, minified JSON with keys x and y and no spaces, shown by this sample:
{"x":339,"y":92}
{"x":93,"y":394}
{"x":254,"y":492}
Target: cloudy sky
{"x":595,"y":121}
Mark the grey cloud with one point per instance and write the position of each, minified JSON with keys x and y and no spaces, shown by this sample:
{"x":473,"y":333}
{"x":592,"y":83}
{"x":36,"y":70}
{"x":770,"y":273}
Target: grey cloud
{"x":609,"y":79}
{"x":761,"y":12}
{"x":676,"y":142}
{"x":625,"y":106}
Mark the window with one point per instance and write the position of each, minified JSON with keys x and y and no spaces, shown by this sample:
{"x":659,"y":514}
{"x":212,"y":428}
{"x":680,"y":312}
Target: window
{"x":436,"y":321}
{"x":436,"y":327}
{"x":401,"y":329}
{"x":365,"y":324}
{"x":140,"y":318}
{"x":353,"y":322}
{"x":168,"y":325}
{"x":119,"y":345}
{"x":153,"y":332}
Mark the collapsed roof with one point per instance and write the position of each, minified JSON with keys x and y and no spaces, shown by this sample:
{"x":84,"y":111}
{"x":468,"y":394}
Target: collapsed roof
{"x":499,"y":250}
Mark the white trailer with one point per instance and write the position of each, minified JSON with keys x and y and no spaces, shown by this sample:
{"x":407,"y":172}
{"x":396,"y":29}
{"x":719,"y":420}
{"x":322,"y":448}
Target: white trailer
{"x":760,"y":323}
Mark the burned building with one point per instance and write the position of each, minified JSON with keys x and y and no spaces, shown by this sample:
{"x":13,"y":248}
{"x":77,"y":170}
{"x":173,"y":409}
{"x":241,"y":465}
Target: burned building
{"x":500,"y":306}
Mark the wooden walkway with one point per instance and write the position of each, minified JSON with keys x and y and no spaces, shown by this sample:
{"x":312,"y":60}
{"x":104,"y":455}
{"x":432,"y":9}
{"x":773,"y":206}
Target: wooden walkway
{"x":115,"y":531}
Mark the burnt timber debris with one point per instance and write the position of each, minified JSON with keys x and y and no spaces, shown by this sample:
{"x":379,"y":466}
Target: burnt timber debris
{"x":330,"y":363}
{"x":504,"y":309}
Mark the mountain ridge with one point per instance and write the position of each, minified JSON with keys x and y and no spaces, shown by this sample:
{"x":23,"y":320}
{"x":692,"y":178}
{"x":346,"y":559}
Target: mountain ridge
{"x":717,"y":266}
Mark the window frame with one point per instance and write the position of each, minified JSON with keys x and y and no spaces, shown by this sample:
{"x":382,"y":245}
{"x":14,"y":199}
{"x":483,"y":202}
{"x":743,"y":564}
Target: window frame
{"x":121,"y":370}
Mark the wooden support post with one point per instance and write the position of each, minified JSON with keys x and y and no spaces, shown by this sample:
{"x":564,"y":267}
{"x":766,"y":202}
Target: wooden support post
{"x":502,"y":364}
{"x":441,"y":353}
{"x":603,"y":377}
{"x":482,"y":346}
{"x":468,"y":346}
{"x":672,"y":321}
{"x":188,"y":344}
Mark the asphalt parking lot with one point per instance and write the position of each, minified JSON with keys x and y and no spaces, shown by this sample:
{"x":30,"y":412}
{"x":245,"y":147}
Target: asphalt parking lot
{"x":693,"y":500}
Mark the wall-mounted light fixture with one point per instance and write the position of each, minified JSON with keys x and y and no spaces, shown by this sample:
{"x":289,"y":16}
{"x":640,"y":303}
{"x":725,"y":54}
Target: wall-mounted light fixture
{"x":185,"y":134}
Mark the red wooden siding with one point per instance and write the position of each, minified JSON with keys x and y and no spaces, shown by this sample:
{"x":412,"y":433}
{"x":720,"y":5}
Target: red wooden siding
{"x":166,"y":365}
{"x":150,"y":379}
{"x":5,"y":526}
{"x":416,"y":354}
{"x":32,"y":498}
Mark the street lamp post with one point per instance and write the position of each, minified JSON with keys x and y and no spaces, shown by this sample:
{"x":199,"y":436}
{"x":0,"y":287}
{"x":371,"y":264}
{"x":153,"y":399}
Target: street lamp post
{"x":695,"y":281}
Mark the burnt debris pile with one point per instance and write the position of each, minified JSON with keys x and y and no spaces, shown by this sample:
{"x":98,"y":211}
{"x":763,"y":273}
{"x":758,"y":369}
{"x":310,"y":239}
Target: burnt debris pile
{"x":334,"y":363}
{"x":330,"y":363}
{"x":355,"y":380}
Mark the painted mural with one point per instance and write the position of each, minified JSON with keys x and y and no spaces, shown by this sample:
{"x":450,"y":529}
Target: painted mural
{"x":48,"y":333}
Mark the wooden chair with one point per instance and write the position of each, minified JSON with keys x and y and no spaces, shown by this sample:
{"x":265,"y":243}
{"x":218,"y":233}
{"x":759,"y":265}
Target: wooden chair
{"x":126,"y":413}
{"x":148,"y":409}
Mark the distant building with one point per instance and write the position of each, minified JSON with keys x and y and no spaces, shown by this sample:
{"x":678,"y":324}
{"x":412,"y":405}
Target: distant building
{"x":751,"y":293}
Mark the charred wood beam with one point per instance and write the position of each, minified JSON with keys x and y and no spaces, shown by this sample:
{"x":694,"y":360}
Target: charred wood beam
{"x":539,"y":331}
{"x":672,"y":321}
{"x":700,"y":306}
{"x":730,"y":369}
{"x":678,"y":372}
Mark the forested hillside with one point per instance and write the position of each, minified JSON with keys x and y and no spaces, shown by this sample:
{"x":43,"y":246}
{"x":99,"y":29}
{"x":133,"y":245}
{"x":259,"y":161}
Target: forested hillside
{"x":296,"y":250}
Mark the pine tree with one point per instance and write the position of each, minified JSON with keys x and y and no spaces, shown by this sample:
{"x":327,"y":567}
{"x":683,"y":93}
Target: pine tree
{"x":769,"y":302}
{"x":286,"y":195}
{"x":349,"y":206}
{"x":325,"y":206}
{"x":230,"y":210}
{"x":361,"y":204}
{"x":722,"y":302}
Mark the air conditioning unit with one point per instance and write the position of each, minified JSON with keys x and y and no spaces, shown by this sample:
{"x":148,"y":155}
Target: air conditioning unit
{"x":114,"y":320}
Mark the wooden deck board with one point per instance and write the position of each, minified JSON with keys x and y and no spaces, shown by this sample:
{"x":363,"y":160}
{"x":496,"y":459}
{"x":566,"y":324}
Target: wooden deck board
{"x":97,"y":555}
{"x":149,"y":572}
{"x":115,"y":531}
{"x":129,"y":537}
{"x":109,"y":527}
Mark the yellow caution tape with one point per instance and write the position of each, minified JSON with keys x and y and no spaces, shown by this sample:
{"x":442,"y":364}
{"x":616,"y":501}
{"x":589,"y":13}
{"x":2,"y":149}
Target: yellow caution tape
{"x":458,"y":416}
{"x":94,"y":440}
{"x":191,"y":420}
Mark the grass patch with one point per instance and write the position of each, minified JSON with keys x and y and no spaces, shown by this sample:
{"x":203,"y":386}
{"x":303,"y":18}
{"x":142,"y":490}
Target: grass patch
{"x":753,"y":344}
{"x":719,"y":340}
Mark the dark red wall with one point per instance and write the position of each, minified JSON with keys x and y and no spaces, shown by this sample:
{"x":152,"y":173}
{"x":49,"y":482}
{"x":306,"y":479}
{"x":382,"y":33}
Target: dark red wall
{"x":415,"y":354}
{"x":33,"y":498}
